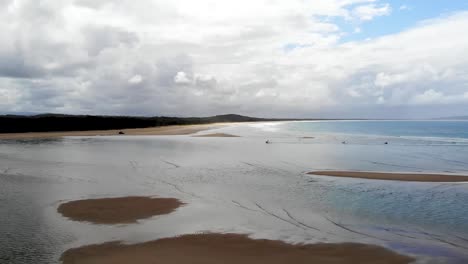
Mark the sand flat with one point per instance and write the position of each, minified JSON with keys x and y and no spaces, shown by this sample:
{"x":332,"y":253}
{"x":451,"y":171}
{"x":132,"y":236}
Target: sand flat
{"x":416,"y":177}
{"x":161,"y":130}
{"x":117,"y":210}
{"x":216,"y":135}
{"x":229,"y":249}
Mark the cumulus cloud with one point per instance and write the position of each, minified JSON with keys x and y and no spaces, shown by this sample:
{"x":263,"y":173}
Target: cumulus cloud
{"x":181,"y":78}
{"x":181,"y":57}
{"x":369,"y":11}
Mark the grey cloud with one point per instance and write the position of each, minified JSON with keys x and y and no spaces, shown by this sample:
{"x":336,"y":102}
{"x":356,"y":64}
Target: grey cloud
{"x":167,"y":69}
{"x":16,"y":66}
{"x":206,"y":82}
{"x":99,"y":38}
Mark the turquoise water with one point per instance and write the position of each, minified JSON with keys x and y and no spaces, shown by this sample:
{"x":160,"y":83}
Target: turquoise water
{"x":438,"y":129}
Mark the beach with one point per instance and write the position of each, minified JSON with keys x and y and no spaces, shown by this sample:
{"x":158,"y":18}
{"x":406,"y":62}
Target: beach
{"x":118,"y":210}
{"x":217,"y":135}
{"x":162,"y":130}
{"x":414,"y":177}
{"x":200,"y":248}
{"x":97,"y":199}
{"x":229,"y":249}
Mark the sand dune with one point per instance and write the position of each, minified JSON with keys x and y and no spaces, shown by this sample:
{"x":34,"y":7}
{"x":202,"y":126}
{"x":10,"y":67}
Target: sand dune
{"x":117,"y":210}
{"x":423,"y":177}
{"x":229,"y":249}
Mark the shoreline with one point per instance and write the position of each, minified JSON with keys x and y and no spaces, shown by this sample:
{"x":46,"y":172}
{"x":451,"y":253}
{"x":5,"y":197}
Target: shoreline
{"x":411,"y":177}
{"x":150,"y":131}
{"x":211,"y":248}
{"x":216,"y":135}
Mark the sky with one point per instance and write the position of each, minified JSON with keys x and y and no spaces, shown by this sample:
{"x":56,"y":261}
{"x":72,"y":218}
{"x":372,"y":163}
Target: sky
{"x":268,"y":58}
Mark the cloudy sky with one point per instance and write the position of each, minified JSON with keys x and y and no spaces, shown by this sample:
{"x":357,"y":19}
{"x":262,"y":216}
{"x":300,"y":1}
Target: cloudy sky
{"x":272,"y":58}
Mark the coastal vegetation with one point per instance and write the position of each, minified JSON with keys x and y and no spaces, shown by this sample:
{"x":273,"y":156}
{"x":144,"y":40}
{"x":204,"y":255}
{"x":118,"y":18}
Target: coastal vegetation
{"x":58,"y":122}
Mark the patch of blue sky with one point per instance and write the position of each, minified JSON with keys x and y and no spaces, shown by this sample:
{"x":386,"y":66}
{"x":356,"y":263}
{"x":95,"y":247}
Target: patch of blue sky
{"x":404,"y":15}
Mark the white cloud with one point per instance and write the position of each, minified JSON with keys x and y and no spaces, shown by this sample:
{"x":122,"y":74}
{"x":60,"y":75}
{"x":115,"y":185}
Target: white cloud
{"x":181,"y":78}
{"x":383,"y":79}
{"x":369,"y":11}
{"x":152,"y":57}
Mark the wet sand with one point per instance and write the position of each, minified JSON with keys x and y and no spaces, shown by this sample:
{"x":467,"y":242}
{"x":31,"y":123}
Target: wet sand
{"x":216,"y":135}
{"x":415,"y":177}
{"x":162,"y":130}
{"x":118,"y":210}
{"x":229,"y":249}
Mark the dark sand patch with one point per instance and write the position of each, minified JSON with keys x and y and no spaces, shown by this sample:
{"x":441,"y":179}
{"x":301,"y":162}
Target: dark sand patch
{"x":417,"y":177}
{"x":217,"y":135}
{"x":229,"y":249}
{"x":118,"y":210}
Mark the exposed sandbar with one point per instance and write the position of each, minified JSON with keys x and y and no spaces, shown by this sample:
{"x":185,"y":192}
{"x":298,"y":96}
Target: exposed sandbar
{"x":216,"y":135}
{"x":118,"y":210}
{"x":229,"y":249}
{"x":415,"y":177}
{"x":162,"y":130}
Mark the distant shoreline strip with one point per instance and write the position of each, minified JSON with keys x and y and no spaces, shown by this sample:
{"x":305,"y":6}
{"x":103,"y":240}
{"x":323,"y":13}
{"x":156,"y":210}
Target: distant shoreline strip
{"x":413,"y":177}
{"x":150,"y":131}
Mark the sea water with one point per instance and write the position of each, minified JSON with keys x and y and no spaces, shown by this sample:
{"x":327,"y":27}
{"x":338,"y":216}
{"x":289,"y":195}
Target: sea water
{"x":428,"y":129}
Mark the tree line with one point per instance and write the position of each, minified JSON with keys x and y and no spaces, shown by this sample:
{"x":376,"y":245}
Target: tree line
{"x":57,"y":122}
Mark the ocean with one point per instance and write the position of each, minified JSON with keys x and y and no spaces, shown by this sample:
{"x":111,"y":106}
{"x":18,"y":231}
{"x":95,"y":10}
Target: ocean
{"x":426,"y":129}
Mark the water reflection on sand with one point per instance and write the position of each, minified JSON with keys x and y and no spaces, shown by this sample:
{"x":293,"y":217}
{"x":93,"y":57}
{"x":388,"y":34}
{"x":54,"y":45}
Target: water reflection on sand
{"x":237,"y":185}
